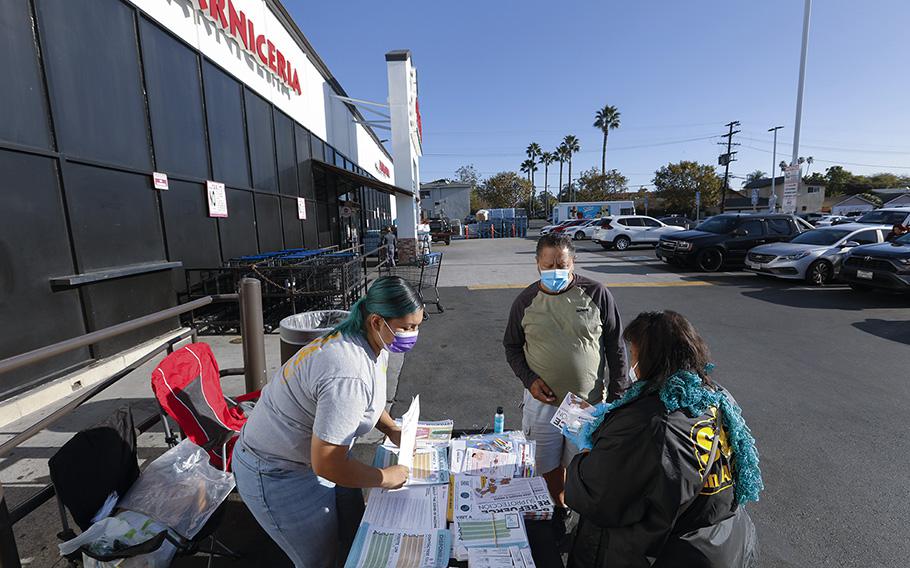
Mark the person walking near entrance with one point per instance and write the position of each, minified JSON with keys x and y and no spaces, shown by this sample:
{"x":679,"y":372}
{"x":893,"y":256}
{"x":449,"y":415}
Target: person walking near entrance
{"x":391,"y":242}
{"x":563,"y":335}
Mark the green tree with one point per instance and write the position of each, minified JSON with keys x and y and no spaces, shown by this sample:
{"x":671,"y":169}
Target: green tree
{"x":595,"y":186}
{"x":533,"y":152}
{"x":606,"y":119}
{"x":546,"y":158}
{"x":572,"y":147}
{"x":836,"y":180}
{"x":477,"y":201}
{"x":467,"y":174}
{"x":505,"y":189}
{"x":755,"y":176}
{"x":677,"y":183}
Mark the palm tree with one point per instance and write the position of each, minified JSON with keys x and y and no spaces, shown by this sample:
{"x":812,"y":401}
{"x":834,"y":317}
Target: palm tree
{"x":533,"y":151}
{"x":572,"y":147}
{"x":606,"y":119}
{"x":562,"y":154}
{"x":529,"y":166}
{"x":755,"y":176}
{"x":546,"y":158}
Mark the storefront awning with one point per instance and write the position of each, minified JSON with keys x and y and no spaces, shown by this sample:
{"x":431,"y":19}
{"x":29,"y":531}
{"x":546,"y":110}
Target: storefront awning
{"x":362,"y":180}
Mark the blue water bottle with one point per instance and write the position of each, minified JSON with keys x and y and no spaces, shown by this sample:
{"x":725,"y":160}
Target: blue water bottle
{"x":499,"y":421}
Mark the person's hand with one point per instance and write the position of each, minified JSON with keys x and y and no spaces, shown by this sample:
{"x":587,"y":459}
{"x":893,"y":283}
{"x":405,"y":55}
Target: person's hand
{"x":540,"y":390}
{"x":394,"y":435}
{"x":394,"y":476}
{"x":581,"y":438}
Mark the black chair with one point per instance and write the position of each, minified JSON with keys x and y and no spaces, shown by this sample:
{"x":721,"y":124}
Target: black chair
{"x":99,"y":461}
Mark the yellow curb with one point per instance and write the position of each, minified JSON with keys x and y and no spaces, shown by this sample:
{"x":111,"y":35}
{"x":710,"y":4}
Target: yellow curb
{"x":608,"y":285}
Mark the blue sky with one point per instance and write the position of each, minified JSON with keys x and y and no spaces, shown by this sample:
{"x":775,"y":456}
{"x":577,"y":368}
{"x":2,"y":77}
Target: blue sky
{"x":495,"y":76}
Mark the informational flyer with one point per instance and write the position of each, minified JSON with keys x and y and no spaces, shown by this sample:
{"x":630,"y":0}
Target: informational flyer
{"x":497,"y":531}
{"x":431,"y":433}
{"x":512,"y":557}
{"x":470,"y":460}
{"x":217,"y":199}
{"x":380,"y":547}
{"x":408,"y":508}
{"x":430,"y":465}
{"x":481,"y":496}
{"x":409,"y":434}
{"x":572,"y":413}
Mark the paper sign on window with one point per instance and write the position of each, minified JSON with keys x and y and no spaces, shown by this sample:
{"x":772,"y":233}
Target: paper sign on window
{"x":216,"y":198}
{"x":159,"y":180}
{"x":301,"y":208}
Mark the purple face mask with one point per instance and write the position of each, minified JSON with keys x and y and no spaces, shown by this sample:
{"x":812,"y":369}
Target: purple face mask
{"x":404,"y":340}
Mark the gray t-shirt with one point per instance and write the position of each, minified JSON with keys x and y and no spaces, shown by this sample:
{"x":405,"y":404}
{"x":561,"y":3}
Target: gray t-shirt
{"x":333,"y":388}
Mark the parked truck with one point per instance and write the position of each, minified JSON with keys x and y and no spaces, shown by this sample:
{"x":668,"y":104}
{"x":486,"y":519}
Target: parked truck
{"x":591,"y":209}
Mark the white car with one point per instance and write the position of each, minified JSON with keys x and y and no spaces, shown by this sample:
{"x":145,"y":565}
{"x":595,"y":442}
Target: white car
{"x":585,"y":230}
{"x":622,"y":231}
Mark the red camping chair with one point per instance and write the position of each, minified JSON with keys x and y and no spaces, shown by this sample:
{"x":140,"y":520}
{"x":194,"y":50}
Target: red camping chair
{"x":187,"y":384}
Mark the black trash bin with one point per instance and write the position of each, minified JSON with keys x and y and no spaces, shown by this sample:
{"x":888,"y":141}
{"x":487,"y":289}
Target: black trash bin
{"x":299,"y":329}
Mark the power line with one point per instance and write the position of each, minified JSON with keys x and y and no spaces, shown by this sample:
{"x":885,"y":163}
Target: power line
{"x":612,"y":149}
{"x":839,"y":162}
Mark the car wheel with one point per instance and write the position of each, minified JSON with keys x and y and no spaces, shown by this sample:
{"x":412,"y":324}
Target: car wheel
{"x":859,"y":287}
{"x":578,"y":236}
{"x":819,"y":273}
{"x":710,"y":260}
{"x":622,"y":243}
{"x":606,"y":246}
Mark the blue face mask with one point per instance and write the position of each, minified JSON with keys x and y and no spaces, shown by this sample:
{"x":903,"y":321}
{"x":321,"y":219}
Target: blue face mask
{"x":555,"y":280}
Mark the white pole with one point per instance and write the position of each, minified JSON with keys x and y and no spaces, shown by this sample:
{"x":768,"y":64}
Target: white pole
{"x":802,"y":78}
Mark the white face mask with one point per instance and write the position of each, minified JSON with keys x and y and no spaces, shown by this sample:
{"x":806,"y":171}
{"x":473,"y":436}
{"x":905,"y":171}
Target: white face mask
{"x":633,"y":376}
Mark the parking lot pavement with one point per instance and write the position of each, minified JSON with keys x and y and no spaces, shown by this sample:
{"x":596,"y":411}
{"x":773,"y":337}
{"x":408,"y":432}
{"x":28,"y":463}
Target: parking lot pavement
{"x":821,"y":373}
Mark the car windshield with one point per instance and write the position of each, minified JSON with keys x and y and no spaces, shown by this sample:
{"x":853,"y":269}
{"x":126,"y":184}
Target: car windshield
{"x":821,"y":237}
{"x":720,"y":225}
{"x":905,"y":240}
{"x":884,"y":217}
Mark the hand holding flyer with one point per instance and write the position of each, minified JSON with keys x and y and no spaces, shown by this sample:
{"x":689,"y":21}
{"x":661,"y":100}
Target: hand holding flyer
{"x":573,"y":413}
{"x":409,"y":434}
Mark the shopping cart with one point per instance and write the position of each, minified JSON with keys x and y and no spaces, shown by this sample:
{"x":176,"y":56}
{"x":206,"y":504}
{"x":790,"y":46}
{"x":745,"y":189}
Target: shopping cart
{"x":422,"y":274}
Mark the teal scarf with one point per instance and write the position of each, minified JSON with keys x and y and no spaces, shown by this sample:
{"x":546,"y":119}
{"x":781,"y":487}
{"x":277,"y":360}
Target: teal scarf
{"x":685,"y":391}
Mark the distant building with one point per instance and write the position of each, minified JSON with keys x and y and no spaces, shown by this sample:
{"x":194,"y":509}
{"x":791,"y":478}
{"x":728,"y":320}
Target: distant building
{"x":440,"y":198}
{"x":902,"y":200}
{"x":809,"y":197}
{"x":852,"y":204}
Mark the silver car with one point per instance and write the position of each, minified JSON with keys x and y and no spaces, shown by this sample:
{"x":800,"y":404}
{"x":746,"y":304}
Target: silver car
{"x":814,"y":256}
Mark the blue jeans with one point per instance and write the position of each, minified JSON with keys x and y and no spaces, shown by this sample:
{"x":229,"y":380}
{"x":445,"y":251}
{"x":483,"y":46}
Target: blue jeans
{"x":295,"y":507}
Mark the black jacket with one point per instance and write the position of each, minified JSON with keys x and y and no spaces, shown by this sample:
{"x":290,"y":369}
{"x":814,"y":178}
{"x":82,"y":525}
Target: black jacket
{"x":642,"y":499}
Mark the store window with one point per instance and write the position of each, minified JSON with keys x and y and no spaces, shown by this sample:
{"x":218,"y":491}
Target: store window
{"x":192,"y":236}
{"x":291,"y":225}
{"x":310,"y":226}
{"x":238,"y":229}
{"x":96,"y":84}
{"x":28,"y":125}
{"x":268,"y":223}
{"x":175,"y":103}
{"x":286,"y":154}
{"x":261,"y":141}
{"x":227,"y":136}
{"x":318,"y":148}
{"x":132,"y":233}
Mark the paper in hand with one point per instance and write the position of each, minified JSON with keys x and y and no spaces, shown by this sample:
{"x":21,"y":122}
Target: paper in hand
{"x":409,"y":434}
{"x":572,"y":413}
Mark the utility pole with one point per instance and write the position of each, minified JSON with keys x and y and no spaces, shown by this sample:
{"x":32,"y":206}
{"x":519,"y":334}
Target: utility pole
{"x":774,"y":165}
{"x":725,"y":159}
{"x":807,"y":10}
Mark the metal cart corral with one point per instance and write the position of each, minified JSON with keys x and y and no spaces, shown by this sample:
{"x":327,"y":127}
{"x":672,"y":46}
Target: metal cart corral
{"x":422,"y":274}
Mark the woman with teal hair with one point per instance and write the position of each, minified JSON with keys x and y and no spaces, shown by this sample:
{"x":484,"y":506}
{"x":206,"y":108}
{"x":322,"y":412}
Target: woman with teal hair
{"x":294,"y":448}
{"x":667,"y":468}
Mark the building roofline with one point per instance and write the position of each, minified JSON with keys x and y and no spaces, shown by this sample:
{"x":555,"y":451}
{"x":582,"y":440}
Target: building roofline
{"x":857,"y":196}
{"x":290,"y":25}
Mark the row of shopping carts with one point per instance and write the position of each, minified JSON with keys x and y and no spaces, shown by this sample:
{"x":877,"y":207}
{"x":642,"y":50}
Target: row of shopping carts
{"x":293,"y":281}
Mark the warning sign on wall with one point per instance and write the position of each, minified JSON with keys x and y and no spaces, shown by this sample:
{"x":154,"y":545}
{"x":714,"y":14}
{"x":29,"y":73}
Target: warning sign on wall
{"x":301,"y":208}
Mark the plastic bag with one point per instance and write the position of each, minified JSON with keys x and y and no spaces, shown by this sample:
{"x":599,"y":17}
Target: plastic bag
{"x":180,"y":489}
{"x":110,"y":534}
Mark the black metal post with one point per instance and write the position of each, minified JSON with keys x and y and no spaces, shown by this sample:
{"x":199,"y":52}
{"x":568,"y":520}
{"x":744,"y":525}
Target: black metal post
{"x":9,"y":554}
{"x":252,"y":333}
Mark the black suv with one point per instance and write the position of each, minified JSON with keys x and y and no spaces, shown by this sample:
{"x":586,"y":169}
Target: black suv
{"x":885,"y":265}
{"x":724,"y":240}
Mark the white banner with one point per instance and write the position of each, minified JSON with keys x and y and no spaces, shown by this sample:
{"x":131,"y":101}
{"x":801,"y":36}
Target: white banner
{"x":791,"y":189}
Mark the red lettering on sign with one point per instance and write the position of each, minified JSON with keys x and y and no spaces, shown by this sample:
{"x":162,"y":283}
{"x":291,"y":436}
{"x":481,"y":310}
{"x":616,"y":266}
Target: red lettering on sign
{"x":260,"y":41}
{"x":203,"y":5}
{"x":271,"y":55}
{"x":216,"y":8}
{"x":295,"y":84}
{"x":282,"y":68}
{"x":238,"y":24}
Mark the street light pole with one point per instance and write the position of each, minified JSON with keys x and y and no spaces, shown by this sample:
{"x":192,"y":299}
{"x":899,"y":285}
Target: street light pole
{"x":774,"y":163}
{"x":802,"y":78}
